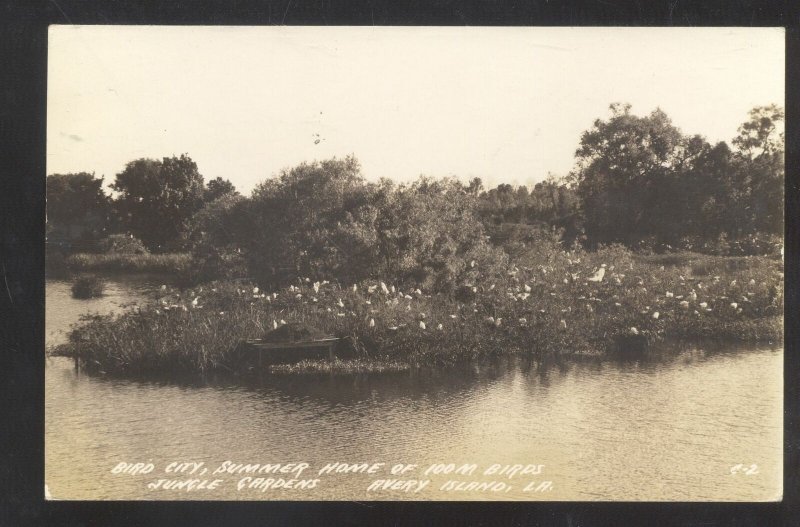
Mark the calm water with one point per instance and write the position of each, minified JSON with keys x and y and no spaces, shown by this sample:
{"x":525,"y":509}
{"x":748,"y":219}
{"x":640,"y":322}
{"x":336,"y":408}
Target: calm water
{"x":665,"y":430}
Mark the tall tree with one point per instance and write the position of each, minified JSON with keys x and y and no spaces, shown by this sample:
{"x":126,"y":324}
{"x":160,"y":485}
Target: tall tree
{"x":623,"y":165}
{"x":157,"y":198}
{"x":760,"y":160}
{"x":76,"y":202}
{"x":219,"y":187}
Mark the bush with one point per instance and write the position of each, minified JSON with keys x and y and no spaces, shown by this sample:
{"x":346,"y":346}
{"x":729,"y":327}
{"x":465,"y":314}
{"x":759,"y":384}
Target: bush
{"x":122,"y":244}
{"x":88,"y":287}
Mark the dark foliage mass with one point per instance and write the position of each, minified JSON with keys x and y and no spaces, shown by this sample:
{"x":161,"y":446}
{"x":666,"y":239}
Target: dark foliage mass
{"x":638,"y":181}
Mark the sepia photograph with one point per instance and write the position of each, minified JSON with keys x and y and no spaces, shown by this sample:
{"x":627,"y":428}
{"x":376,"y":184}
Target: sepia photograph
{"x":533,"y":264}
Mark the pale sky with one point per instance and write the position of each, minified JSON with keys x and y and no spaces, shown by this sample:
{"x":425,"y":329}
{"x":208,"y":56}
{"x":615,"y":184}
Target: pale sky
{"x":505,"y":104}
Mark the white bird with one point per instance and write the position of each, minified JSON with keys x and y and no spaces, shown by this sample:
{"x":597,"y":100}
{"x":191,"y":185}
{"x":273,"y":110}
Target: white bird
{"x":355,"y":288}
{"x":598,"y":275}
{"x":372,"y":322}
{"x":421,"y":325}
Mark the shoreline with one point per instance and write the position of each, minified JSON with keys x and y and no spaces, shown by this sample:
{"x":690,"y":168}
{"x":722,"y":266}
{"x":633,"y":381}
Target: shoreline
{"x":536,"y":311}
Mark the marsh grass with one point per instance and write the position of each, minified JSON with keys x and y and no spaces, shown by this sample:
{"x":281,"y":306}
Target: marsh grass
{"x":129,"y":263}
{"x":541,"y":307}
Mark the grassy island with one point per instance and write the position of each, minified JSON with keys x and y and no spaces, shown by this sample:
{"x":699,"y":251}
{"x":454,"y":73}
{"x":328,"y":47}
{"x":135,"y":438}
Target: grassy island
{"x":571,"y":302}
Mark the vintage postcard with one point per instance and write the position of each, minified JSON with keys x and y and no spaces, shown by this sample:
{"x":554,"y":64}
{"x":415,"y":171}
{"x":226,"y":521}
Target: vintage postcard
{"x":417,"y":263}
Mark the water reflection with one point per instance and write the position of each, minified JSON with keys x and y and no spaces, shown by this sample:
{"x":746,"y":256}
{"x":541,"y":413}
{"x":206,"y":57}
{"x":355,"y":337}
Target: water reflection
{"x":666,"y":426}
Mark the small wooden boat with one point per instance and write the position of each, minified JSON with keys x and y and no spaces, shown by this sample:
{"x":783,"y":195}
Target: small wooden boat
{"x":287,"y":344}
{"x":264,"y":353}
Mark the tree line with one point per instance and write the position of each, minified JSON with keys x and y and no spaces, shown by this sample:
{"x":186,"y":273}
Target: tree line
{"x":637,"y":180}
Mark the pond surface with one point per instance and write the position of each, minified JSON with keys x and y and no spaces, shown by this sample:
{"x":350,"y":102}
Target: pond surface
{"x":690,"y":427}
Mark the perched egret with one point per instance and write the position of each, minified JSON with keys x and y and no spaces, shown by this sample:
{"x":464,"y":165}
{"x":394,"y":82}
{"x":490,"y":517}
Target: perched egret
{"x":598,"y":275}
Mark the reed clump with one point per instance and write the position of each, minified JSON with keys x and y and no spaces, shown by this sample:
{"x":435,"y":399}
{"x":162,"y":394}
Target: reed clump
{"x":89,"y":286}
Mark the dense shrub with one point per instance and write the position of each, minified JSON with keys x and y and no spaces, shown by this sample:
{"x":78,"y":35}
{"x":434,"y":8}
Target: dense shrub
{"x":122,"y":244}
{"x":88,"y":287}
